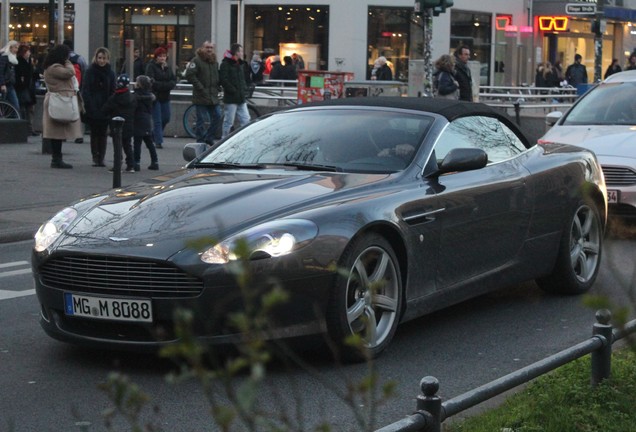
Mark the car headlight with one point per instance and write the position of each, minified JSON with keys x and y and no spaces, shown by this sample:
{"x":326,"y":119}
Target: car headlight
{"x":52,"y":229}
{"x":271,"y":239}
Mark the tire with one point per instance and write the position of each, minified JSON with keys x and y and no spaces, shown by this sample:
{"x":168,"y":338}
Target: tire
{"x":579,"y":255}
{"x":190,"y":121}
{"x":366,"y":299}
{"x":8,"y":111}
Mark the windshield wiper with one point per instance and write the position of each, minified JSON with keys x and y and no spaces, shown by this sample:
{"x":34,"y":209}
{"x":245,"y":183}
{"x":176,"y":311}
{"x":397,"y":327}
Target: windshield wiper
{"x":310,"y":167}
{"x":228,"y":165}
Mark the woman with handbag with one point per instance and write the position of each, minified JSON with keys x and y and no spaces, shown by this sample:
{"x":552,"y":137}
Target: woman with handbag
{"x":444,"y":83}
{"x":59,"y":76}
{"x":98,"y":84}
{"x":8,"y":62}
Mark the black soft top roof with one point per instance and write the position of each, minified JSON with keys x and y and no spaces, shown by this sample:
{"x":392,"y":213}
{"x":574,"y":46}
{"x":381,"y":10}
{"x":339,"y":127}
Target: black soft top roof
{"x":445,"y":107}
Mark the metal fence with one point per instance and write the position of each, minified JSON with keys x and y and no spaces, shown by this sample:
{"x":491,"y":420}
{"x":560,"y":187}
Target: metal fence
{"x":431,"y":412}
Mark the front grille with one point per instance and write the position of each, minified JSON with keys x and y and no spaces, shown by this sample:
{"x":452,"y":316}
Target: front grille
{"x":119,"y":276}
{"x":619,"y":176}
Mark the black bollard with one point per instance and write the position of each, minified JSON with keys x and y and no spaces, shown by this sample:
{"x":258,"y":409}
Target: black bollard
{"x":116,"y":126}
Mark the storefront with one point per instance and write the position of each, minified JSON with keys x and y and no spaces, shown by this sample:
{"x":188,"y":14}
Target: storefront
{"x":565,"y":28}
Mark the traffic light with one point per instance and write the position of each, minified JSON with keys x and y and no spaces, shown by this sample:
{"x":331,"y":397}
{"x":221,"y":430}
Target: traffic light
{"x":441,"y":7}
{"x":428,"y":4}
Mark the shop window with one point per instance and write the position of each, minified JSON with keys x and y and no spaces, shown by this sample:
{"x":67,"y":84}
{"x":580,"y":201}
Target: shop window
{"x":284,"y":30}
{"x":30,"y":24}
{"x":474,"y":29}
{"x":150,"y":27}
{"x":394,"y":34}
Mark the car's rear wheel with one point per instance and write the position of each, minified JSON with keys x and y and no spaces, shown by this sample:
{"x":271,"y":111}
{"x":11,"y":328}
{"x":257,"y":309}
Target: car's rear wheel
{"x":579,"y":256}
{"x":366,"y":299}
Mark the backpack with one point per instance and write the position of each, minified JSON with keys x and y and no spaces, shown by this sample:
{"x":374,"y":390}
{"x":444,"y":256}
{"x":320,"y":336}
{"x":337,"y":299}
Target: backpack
{"x":74,"y":59}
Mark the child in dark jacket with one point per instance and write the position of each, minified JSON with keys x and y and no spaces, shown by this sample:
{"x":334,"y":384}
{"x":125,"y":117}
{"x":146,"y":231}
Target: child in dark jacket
{"x":122,"y":104}
{"x":143,"y":122}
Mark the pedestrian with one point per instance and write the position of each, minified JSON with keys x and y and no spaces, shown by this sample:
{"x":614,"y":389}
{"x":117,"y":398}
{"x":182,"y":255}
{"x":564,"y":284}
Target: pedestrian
{"x":576,"y":73}
{"x":257,"y":69}
{"x":203,"y":74}
{"x":277,"y":68}
{"x":8,"y":62}
{"x":613,"y":68}
{"x":59,"y":76}
{"x":139,"y":68}
{"x":98,"y":86}
{"x":289,"y":69}
{"x":298,"y":60}
{"x":631,"y":62}
{"x":234,"y":89}
{"x":143,"y":130}
{"x":163,"y":81}
{"x":122,"y":104}
{"x":25,"y":86}
{"x":444,"y":83}
{"x":381,"y":70}
{"x":462,"y":73}
{"x":80,"y":65}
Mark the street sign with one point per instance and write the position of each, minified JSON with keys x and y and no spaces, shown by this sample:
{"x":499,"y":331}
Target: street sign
{"x":580,"y":9}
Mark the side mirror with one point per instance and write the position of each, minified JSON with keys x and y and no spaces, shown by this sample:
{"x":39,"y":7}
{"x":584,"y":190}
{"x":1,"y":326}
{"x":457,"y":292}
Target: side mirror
{"x":463,"y":159}
{"x":192,"y":151}
{"x":553,"y":117}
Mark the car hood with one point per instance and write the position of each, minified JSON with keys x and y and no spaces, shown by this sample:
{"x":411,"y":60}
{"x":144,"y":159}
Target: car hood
{"x":604,"y":141}
{"x":156,"y":218}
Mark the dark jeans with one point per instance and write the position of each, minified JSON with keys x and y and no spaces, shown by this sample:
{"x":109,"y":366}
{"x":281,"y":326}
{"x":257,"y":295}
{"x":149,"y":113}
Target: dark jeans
{"x":149,"y":145}
{"x":211,"y":113}
{"x":160,"y":118}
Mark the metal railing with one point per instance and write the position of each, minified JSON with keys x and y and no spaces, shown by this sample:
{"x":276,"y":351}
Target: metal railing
{"x":431,"y":411}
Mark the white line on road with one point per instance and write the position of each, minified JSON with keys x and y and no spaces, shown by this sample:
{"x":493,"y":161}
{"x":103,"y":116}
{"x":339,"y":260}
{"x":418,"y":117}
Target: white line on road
{"x":5,"y":295}
{"x":14,"y":272}
{"x":14,"y":264}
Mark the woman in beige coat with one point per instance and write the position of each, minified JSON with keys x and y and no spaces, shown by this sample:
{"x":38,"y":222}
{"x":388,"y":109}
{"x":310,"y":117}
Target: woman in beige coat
{"x":58,"y":76}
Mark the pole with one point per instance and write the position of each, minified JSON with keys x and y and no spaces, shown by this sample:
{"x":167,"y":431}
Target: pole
{"x":4,"y":25}
{"x":60,"y":21}
{"x":427,"y":21}
{"x":598,"y":42}
{"x":116,"y":126}
{"x":51,"y":22}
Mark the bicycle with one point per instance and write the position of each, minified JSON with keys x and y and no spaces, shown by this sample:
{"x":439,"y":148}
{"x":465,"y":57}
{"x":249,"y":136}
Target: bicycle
{"x":8,"y":111}
{"x":190,"y":119}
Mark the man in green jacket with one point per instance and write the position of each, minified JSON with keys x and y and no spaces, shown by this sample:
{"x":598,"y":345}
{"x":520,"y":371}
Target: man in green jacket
{"x":203,"y":73}
{"x":232,"y":77}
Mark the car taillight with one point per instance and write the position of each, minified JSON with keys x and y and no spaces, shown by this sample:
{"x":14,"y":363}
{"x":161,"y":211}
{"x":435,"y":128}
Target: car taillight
{"x":542,"y":141}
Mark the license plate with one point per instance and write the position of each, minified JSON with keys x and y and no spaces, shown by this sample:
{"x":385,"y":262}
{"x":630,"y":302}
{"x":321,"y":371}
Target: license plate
{"x":613,"y":196}
{"x":108,"y":308}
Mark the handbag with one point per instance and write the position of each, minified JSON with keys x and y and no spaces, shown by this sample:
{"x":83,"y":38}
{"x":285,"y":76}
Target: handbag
{"x":63,"y":109}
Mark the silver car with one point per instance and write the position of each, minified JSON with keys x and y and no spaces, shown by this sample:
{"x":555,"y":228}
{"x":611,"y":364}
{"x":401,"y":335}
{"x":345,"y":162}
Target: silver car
{"x":604,"y":121}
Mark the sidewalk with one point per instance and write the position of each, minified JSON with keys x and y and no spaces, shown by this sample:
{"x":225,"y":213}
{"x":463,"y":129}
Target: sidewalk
{"x":32,"y":191}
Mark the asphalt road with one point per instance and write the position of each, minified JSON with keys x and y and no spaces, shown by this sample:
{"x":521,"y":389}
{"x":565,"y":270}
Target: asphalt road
{"x":49,"y":386}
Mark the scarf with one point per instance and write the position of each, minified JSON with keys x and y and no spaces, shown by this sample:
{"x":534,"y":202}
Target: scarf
{"x":12,"y":57}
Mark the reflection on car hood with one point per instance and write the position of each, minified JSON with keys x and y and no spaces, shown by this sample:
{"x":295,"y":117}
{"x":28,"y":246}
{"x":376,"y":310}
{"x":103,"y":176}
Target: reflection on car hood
{"x":156,"y":217}
{"x":603,"y":140}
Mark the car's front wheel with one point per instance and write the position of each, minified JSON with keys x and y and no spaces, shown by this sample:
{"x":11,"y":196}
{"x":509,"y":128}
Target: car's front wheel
{"x":579,"y":256}
{"x":366,"y":300}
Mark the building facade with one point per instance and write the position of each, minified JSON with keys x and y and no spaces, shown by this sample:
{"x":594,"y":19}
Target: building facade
{"x":507,"y":37}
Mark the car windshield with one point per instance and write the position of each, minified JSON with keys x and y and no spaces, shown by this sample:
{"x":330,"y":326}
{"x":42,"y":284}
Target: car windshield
{"x":607,"y":104}
{"x":338,"y":139}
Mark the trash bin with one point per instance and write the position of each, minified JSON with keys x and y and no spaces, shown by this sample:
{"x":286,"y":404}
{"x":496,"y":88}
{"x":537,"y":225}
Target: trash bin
{"x":316,"y":86}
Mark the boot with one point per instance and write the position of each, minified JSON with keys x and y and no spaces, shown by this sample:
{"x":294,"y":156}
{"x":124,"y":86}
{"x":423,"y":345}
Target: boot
{"x":102,"y":143}
{"x":56,"y":158}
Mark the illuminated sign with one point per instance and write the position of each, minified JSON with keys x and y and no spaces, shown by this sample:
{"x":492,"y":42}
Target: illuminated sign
{"x":502,"y":22}
{"x":553,"y":23}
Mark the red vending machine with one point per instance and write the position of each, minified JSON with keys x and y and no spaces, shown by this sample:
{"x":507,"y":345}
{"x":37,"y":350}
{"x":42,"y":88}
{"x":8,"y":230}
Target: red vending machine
{"x":316,"y":86}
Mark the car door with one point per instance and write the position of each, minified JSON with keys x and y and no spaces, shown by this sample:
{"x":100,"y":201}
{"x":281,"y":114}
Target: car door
{"x":486,"y":211}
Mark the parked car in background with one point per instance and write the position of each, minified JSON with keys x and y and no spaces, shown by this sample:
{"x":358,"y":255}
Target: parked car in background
{"x":604,"y":121}
{"x":367,"y":212}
